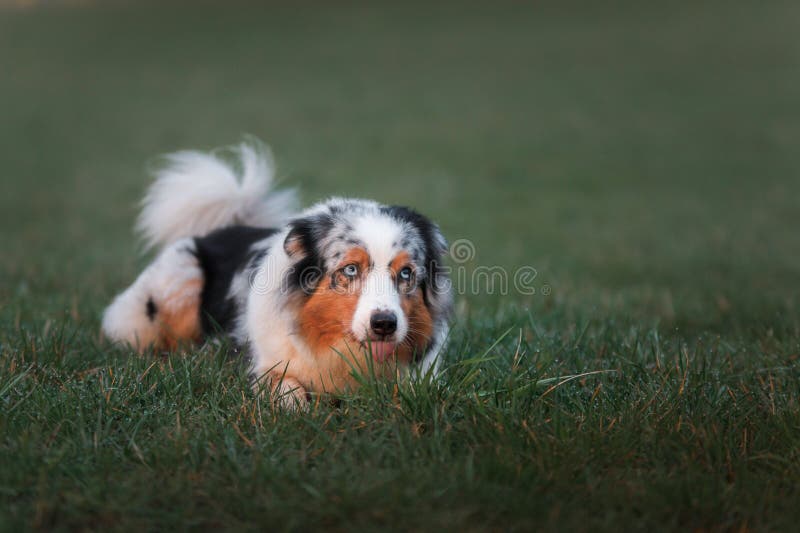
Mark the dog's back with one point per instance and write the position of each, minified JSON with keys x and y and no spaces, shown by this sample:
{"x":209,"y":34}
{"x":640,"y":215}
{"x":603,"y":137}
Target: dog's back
{"x":205,"y":214}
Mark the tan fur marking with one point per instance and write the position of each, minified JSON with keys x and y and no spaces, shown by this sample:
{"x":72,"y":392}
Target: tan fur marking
{"x":357,"y":256}
{"x":420,"y":324}
{"x":293,"y":246}
{"x":400,"y":260}
{"x":179,"y":316}
{"x":325,"y":318}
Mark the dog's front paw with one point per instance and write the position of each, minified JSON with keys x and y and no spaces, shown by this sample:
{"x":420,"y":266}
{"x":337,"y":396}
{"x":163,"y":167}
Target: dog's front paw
{"x":289,"y":395}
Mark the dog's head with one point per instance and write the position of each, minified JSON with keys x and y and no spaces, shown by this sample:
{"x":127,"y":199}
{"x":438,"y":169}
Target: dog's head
{"x":368,"y":277}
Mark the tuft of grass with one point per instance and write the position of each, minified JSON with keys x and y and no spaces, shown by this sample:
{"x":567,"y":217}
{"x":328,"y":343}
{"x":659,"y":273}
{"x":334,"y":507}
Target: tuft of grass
{"x":587,"y":429}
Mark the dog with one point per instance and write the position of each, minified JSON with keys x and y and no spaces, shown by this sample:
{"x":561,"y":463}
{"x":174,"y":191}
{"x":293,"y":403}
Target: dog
{"x":312,"y":298}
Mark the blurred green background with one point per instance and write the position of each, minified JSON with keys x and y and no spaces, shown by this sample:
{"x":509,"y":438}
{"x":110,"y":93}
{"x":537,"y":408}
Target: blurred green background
{"x":642,"y":156}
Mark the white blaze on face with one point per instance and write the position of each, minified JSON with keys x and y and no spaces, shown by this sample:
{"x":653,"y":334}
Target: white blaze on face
{"x":378,"y":293}
{"x":380,"y":235}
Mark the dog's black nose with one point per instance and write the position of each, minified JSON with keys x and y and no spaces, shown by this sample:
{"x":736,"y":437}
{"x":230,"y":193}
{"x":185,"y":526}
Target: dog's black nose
{"x":383,"y":323}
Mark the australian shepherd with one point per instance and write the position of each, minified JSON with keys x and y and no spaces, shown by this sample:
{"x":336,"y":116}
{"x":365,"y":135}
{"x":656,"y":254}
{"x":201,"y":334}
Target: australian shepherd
{"x":311,"y":297}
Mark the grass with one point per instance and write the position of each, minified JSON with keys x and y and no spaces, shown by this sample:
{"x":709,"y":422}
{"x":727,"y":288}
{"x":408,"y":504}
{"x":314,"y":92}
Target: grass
{"x":644,"y":159}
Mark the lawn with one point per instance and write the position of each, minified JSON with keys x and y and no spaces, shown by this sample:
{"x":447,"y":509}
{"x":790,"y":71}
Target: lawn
{"x":642,"y":158}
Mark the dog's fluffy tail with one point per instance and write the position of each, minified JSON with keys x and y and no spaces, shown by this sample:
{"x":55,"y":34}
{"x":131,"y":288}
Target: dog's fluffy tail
{"x":196,"y":192}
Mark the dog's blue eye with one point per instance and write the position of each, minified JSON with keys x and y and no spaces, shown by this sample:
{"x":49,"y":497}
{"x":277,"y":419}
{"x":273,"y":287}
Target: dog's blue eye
{"x":405,"y":274}
{"x":350,"y":271}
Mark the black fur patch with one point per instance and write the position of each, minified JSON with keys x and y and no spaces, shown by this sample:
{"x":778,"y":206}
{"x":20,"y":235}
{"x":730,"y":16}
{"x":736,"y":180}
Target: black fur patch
{"x":151,"y":309}
{"x":223,"y":253}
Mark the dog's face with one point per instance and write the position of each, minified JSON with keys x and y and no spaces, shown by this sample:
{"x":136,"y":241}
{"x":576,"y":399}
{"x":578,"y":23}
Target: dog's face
{"x":367,"y":278}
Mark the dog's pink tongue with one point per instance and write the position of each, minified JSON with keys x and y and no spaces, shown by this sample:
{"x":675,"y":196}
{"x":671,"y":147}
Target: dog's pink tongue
{"x":381,"y":351}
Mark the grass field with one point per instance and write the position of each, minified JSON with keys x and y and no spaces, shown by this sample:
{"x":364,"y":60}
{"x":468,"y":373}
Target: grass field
{"x":644,"y":159}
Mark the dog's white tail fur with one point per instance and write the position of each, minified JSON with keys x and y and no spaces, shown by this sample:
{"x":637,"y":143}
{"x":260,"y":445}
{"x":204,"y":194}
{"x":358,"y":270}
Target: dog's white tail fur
{"x":196,"y":192}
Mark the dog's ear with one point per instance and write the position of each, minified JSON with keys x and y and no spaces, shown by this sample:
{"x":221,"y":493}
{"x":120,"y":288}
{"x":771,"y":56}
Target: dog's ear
{"x":439,"y":247}
{"x":295,"y":243}
{"x":302,"y":247}
{"x":305,"y":234}
{"x":438,"y":289}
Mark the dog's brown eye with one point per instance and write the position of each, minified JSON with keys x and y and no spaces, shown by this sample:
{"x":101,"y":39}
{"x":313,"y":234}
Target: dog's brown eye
{"x":350,"y":271}
{"x":405,"y":274}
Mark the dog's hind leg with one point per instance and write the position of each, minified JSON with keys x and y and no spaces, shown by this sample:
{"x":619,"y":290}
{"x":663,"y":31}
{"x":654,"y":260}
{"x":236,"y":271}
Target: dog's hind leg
{"x":162,"y":307}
